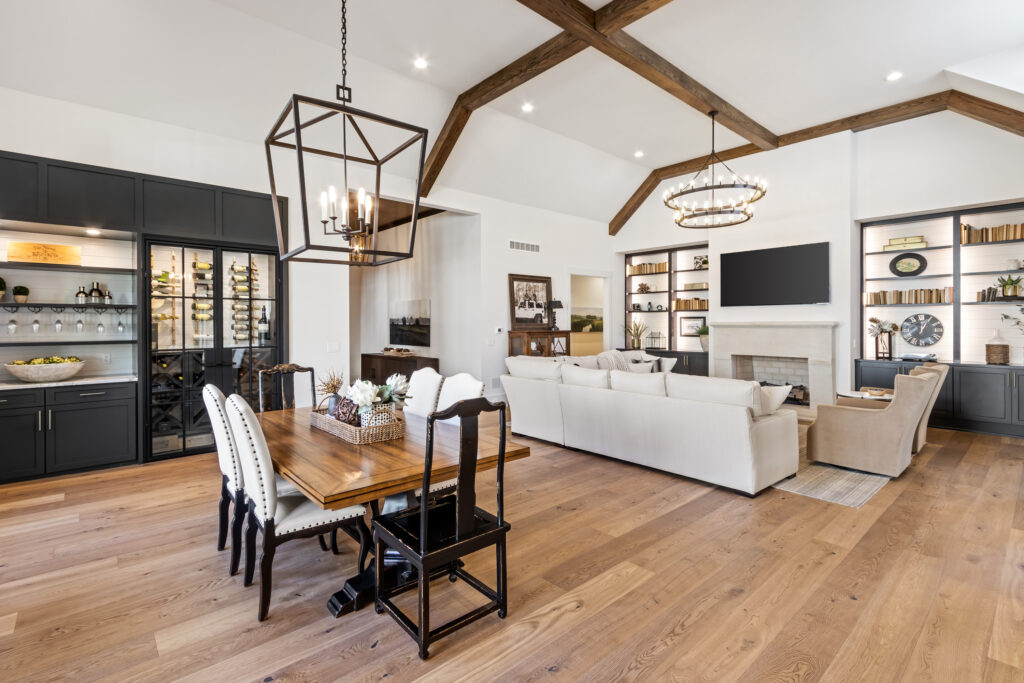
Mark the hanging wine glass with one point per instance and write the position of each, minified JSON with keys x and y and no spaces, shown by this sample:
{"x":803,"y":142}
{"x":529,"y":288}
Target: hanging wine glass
{"x":58,"y":326}
{"x":120,"y":327}
{"x":35,"y":326}
{"x":79,"y":326}
{"x":12,"y":327}
{"x":100,"y":328}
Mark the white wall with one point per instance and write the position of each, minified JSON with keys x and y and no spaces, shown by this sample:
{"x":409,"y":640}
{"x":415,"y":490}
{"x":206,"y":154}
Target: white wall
{"x":819,"y":191}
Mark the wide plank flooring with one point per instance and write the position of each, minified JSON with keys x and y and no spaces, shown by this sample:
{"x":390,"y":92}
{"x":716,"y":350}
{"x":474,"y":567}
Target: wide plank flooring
{"x":616,"y":572}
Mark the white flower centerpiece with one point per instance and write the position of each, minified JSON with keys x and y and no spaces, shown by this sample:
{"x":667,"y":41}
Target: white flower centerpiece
{"x":377,"y":401}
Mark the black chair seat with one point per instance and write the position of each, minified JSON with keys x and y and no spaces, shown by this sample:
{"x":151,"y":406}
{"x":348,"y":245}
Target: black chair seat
{"x":403,"y":528}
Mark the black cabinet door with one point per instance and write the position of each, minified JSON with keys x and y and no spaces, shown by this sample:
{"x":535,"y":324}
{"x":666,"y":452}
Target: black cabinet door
{"x":879,"y":374}
{"x":1017,"y":382}
{"x":19,"y":189}
{"x":697,"y":364}
{"x":101,"y":199}
{"x":944,"y":402}
{"x":23,"y":438}
{"x":248,"y":219}
{"x":178,"y":209}
{"x":89,"y":434}
{"x":982,"y":394}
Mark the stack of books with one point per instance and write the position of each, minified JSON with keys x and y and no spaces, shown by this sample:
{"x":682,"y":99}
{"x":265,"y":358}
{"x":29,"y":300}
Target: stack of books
{"x":1000,"y":233}
{"x":939,"y":295}
{"x":906,"y":243}
{"x":647,"y":268}
{"x":695,"y":285}
{"x":690,"y":304}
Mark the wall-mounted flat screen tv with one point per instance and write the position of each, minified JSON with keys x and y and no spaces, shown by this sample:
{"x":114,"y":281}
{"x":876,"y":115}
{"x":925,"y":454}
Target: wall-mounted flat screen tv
{"x":776,"y":277}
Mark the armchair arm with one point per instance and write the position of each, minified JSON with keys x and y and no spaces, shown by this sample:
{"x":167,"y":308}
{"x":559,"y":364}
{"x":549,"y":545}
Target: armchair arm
{"x":871,"y":404}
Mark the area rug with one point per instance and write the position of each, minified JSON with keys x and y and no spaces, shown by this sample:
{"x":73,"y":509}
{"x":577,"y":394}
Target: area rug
{"x":832,"y":484}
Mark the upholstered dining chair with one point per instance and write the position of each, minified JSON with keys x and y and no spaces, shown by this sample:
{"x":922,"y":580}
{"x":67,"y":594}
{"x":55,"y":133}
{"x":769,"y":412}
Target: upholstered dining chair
{"x":280,"y":518}
{"x":286,"y":371}
{"x":457,"y":388}
{"x":436,"y":533}
{"x":424,"y":390}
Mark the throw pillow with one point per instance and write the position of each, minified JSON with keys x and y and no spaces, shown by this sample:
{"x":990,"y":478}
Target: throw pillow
{"x":585,"y":377}
{"x":534,"y":368}
{"x":641,"y":366}
{"x":652,"y":383}
{"x":773,"y":397}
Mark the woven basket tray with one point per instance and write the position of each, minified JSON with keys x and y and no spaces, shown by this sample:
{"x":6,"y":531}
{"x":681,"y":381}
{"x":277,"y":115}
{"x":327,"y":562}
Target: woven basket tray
{"x":357,"y":435}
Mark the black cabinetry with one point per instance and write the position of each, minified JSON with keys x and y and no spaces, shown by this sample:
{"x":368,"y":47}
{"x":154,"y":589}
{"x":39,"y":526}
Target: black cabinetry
{"x":63,"y":429}
{"x":687,"y":362}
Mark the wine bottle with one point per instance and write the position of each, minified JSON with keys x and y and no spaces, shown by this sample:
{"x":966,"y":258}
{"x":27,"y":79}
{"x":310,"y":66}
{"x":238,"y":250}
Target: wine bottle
{"x":235,"y":277}
{"x":241,"y":336}
{"x":240,"y":317}
{"x":240,"y":327}
{"x":202,"y":316}
{"x":200,"y":265}
{"x":241,"y":289}
{"x":237,"y":268}
{"x":160,"y":317}
{"x":202,"y":276}
{"x":263,"y":327}
{"x":197,"y":306}
{"x":240,"y":307}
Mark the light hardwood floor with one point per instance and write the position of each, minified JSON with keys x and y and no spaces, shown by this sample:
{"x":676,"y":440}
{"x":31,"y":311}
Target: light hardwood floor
{"x":616,"y":572}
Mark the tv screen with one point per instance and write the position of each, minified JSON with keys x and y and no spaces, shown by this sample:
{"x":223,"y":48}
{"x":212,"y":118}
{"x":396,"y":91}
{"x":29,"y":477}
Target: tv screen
{"x":776,"y":277}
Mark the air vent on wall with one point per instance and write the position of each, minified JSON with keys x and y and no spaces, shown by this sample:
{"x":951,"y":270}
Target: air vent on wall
{"x":524,"y":246}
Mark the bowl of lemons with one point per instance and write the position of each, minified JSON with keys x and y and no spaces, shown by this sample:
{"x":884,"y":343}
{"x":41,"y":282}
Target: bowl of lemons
{"x":46,"y":369}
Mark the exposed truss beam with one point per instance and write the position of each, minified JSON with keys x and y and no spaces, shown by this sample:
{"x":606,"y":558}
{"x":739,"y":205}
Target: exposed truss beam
{"x":579,"y":21}
{"x":609,"y":19}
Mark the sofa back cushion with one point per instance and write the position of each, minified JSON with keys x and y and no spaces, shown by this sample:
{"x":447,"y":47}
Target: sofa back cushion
{"x":534,"y":368}
{"x":641,"y":366}
{"x":582,"y":361}
{"x":734,"y":392}
{"x":652,"y":383}
{"x":585,"y":377}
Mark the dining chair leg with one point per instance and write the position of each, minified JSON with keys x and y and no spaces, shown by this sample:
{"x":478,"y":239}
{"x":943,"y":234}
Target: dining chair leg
{"x":334,"y":542}
{"x":378,"y":564}
{"x":502,"y":578}
{"x":266,"y":568}
{"x":424,"y":609}
{"x":222,"y":514}
{"x":323,"y":542}
{"x":250,"y":550}
{"x":365,"y":537}
{"x":236,"y":531}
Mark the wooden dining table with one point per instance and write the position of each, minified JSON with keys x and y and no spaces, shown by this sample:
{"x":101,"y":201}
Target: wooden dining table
{"x":334,"y":473}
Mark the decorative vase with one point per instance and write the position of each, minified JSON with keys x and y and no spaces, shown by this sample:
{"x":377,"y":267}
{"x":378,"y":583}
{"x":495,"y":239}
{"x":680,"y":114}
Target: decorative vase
{"x":378,"y":415}
{"x":704,"y":342}
{"x":997,"y":350}
{"x":20,"y":298}
{"x":1008,"y":290}
{"x":332,"y":404}
{"x":883,"y":346}
{"x":635,"y":343}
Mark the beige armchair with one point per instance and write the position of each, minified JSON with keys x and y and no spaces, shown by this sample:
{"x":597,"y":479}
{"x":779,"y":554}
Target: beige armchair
{"x":921,"y":439}
{"x":879,"y":438}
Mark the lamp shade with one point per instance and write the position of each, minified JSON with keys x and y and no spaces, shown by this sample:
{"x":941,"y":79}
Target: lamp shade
{"x":554,"y":304}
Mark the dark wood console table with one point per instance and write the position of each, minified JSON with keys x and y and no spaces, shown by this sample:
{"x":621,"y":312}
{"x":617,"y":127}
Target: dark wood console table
{"x":538,"y":343}
{"x":379,"y":366}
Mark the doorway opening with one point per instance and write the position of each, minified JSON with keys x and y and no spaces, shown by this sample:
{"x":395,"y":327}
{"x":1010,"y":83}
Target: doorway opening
{"x":587,"y":314}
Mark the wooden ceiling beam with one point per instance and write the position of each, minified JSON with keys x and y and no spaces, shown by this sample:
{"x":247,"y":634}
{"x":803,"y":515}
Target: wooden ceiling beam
{"x":571,"y":16}
{"x":612,"y":17}
{"x":983,"y":110}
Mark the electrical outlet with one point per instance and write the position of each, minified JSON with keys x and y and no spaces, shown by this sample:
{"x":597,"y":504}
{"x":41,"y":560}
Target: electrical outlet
{"x":497,"y":330}
{"x":333,"y":347}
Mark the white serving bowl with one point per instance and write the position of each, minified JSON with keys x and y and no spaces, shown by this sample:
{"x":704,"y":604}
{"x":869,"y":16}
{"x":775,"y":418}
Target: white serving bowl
{"x":49,"y":372}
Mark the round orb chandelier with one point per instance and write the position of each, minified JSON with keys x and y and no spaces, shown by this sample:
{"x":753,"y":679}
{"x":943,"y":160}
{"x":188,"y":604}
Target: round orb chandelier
{"x":710,"y":200}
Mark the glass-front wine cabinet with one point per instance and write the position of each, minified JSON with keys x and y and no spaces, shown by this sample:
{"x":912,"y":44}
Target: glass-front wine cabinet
{"x":214,"y":317}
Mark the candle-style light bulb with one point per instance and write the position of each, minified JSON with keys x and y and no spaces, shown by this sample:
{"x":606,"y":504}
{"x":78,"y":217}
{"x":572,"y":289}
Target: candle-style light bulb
{"x":369,"y":209}
{"x":361,"y":203}
{"x":323,"y":206}
{"x":332,"y":196}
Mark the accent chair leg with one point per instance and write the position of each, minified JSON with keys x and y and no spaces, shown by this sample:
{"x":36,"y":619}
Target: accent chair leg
{"x":250,"y":550}
{"x":266,"y":568}
{"x":424,"y":616}
{"x":222,"y":514}
{"x":236,"y":532}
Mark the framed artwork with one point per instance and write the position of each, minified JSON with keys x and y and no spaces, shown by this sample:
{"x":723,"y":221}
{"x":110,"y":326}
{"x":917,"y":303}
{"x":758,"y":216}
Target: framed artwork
{"x":528,"y":298}
{"x":688,"y":326}
{"x":908,"y":264}
{"x":700,"y":262}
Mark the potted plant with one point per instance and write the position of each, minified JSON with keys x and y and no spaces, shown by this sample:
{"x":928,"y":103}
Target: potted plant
{"x":20,"y":294}
{"x":328,"y":388}
{"x":881,"y":331}
{"x":377,"y":401}
{"x":1010,"y":285}
{"x":704,"y":333}
{"x":635,"y":330}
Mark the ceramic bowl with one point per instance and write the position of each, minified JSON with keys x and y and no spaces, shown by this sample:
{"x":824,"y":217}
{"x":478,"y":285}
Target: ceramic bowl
{"x":50,"y":372}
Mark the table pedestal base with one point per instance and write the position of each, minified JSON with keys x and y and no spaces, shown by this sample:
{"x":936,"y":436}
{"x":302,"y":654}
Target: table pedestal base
{"x":360,"y":590}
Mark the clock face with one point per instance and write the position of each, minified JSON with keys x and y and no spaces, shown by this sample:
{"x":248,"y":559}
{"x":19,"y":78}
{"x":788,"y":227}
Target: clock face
{"x":922,"y":329}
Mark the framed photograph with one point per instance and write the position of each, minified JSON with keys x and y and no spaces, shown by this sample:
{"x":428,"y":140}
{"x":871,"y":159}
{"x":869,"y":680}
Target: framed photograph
{"x":528,"y":297}
{"x":700,"y":262}
{"x":688,"y":326}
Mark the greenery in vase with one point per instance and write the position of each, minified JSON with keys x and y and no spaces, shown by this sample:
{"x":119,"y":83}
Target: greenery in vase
{"x":368,"y":395}
{"x":20,"y":290}
{"x":703,"y":330}
{"x":330,"y":385}
{"x":1009,"y":281}
{"x":880,"y":327}
{"x":635,"y":330}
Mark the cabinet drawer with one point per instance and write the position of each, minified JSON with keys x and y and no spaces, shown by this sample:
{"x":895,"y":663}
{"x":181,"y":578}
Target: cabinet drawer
{"x":89,"y":392}
{"x":21,"y":398}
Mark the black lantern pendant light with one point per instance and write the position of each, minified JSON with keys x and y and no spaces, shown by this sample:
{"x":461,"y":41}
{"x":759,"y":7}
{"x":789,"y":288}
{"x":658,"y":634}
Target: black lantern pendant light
{"x":710,"y":201}
{"x":323,"y":133}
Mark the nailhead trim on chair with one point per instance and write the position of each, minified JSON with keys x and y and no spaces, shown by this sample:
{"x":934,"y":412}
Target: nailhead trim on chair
{"x":353,"y":515}
{"x":236,"y":464}
{"x":256,"y":461}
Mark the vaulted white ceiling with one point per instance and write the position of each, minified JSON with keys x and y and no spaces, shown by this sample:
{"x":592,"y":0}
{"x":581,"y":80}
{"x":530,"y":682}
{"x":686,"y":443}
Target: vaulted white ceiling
{"x":226,"y":66}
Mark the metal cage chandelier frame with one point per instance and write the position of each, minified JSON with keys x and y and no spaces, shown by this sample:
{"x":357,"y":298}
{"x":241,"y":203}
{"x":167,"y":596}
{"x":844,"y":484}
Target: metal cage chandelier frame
{"x":356,"y":224}
{"x":717,"y":202}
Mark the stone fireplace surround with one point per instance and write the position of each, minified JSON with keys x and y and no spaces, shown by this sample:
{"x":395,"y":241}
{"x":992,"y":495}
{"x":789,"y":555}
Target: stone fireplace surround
{"x":814,"y":341}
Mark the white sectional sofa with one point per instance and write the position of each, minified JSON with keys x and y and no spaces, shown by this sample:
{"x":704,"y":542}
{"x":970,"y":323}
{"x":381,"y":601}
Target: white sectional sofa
{"x":723,"y":431}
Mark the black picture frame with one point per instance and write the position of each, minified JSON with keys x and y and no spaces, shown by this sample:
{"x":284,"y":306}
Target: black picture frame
{"x":528,"y":297}
{"x":689,"y":319}
{"x":922,"y":263}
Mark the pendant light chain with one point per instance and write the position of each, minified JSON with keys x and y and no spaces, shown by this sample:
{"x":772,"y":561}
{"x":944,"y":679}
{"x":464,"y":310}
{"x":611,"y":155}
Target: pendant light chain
{"x":344,"y":43}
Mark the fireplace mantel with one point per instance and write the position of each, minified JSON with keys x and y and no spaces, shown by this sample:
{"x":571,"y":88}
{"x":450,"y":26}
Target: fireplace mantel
{"x":813,"y":340}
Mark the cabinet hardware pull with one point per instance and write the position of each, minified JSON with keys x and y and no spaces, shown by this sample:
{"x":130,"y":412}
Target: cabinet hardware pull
{"x":93,"y":393}
{"x":49,"y":419}
{"x":39,"y":421}
{"x":4,"y":400}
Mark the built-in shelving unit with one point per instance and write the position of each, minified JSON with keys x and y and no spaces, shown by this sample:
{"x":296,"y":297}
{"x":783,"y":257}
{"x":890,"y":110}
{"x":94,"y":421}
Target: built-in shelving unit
{"x":671,"y":271}
{"x":964,"y":273}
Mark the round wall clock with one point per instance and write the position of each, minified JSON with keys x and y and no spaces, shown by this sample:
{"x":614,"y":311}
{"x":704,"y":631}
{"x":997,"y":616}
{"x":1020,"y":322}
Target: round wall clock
{"x":922,"y":329}
{"x":905,"y":265}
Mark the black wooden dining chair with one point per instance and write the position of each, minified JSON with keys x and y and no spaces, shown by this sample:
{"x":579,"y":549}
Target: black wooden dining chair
{"x":433,"y":535}
{"x":286,"y":371}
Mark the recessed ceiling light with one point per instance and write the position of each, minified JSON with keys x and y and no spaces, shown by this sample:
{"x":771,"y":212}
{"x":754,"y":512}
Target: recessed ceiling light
{"x":527,"y":107}
{"x":420,"y":63}
{"x":92,"y":232}
{"x":639,"y":154}
{"x":894,"y":76}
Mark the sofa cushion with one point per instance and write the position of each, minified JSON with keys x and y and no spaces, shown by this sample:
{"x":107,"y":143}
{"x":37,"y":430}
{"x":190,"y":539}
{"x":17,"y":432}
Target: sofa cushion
{"x":772,"y":397}
{"x":652,"y":383}
{"x":534,"y":368}
{"x":582,"y":361}
{"x":735,"y":392}
{"x":641,"y":366}
{"x":585,"y":377}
